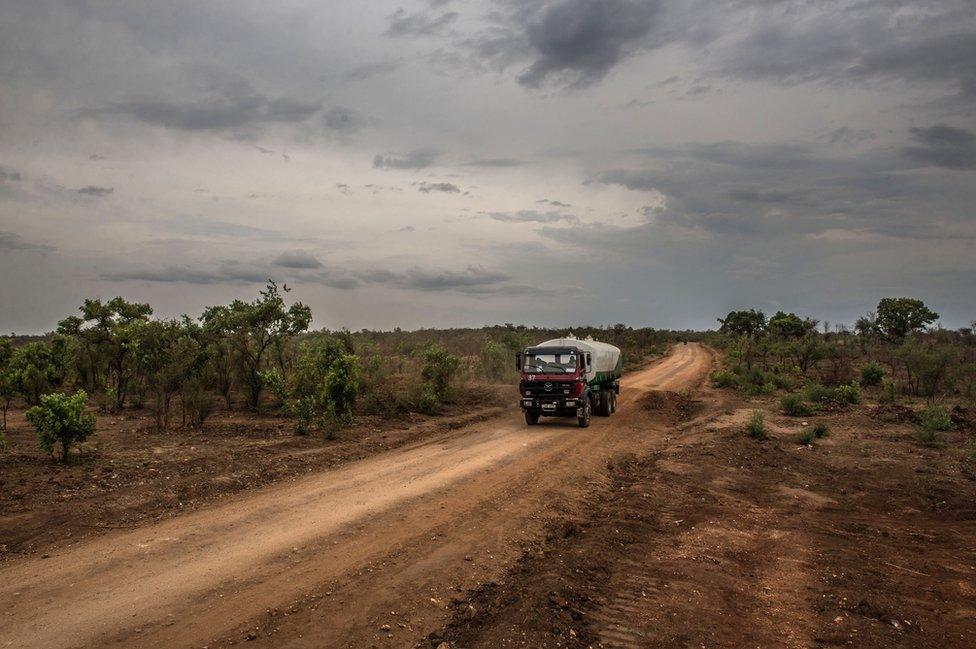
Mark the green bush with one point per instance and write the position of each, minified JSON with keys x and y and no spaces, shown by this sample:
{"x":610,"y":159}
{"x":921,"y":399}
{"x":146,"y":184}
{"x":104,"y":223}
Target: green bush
{"x":724,"y":379}
{"x":439,"y":372}
{"x":805,"y":437}
{"x":847,"y":394}
{"x":793,"y":405}
{"x":817,"y":393}
{"x":871,"y":374}
{"x":756,"y":426}
{"x":890,"y":391}
{"x":428,"y":403}
{"x":61,"y":418}
{"x":936,"y":418}
{"x":820,"y":430}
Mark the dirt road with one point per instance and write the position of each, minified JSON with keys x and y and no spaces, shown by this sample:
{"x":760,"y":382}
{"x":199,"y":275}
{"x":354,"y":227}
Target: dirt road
{"x":369,"y":553}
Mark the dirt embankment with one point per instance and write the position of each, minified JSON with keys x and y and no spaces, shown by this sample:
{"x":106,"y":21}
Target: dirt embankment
{"x":864,"y":539}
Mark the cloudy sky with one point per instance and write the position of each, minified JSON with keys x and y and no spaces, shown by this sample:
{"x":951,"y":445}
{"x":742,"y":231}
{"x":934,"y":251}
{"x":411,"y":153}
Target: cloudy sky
{"x":462,"y":162}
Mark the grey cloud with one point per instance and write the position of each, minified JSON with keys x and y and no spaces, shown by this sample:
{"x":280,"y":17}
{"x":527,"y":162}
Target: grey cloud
{"x":850,"y":136}
{"x":297,"y":259}
{"x":548,"y":201}
{"x":94,"y":190}
{"x":859,"y":41}
{"x":416,"y":159}
{"x":579,"y":41}
{"x":530,"y":216}
{"x":470,"y":279}
{"x":944,"y":146}
{"x":368,"y":70}
{"x":419,"y":24}
{"x":224,"y":274}
{"x":13,"y":241}
{"x":446,"y":188}
{"x":344,"y":121}
{"x":228,"y":106}
{"x":493,"y":162}
{"x":735,"y":189}
{"x":9,"y":174}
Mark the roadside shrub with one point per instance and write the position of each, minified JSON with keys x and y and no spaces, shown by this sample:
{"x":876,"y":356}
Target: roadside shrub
{"x":805,"y":437}
{"x":724,"y":379}
{"x":871,"y":374}
{"x":935,"y":419}
{"x":61,"y":419}
{"x":756,"y":426}
{"x":820,"y":430}
{"x":847,"y":394}
{"x":428,"y":403}
{"x":107,"y":400}
{"x":439,"y":372}
{"x":890,"y":391}
{"x":818,"y":393}
{"x":495,"y":361}
{"x":793,"y":405}
{"x":784,"y":382}
{"x":198,"y":403}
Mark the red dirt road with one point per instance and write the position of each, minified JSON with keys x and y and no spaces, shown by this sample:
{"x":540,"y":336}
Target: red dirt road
{"x":329,"y":559}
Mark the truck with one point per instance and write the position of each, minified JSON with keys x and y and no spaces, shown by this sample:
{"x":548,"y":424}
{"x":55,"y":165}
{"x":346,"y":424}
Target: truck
{"x":568,"y":377}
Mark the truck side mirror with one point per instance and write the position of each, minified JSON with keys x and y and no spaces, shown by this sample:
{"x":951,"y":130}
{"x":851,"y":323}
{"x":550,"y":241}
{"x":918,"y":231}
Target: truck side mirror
{"x":518,"y":361}
{"x":589,"y":361}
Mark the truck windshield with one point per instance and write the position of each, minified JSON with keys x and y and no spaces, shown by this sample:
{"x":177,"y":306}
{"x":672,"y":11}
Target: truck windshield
{"x":550,"y":363}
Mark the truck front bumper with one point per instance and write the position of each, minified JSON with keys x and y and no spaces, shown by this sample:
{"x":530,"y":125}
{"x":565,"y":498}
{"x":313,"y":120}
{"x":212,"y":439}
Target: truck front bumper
{"x":552,"y":406}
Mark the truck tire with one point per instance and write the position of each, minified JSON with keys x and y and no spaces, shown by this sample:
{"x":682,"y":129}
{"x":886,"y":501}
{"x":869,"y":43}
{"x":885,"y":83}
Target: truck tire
{"x":603,"y":409}
{"x":584,"y":421}
{"x":531,"y":418}
{"x":613,"y":402}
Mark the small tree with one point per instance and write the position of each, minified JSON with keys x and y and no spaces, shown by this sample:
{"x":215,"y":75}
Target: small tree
{"x":900,"y":316}
{"x":35,"y":369}
{"x":750,"y":324}
{"x":61,"y":419}
{"x":790,"y":325}
{"x":439,"y":371}
{"x":252,"y":329}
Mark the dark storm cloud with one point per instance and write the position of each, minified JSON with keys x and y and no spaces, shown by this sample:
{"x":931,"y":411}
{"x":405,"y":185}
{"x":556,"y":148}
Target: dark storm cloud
{"x":446,"y":188}
{"x":579,"y":41}
{"x":794,"y":42}
{"x":9,"y":174}
{"x":944,"y":146}
{"x":736,"y":189}
{"x":94,"y":190}
{"x":416,"y":159}
{"x":530,"y":216}
{"x":419,"y":24}
{"x":13,"y":241}
{"x":224,"y":274}
{"x":228,"y":106}
{"x":297,"y":259}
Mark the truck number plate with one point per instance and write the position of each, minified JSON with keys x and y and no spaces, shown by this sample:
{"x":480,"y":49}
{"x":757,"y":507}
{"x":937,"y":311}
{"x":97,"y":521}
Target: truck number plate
{"x":548,"y":406}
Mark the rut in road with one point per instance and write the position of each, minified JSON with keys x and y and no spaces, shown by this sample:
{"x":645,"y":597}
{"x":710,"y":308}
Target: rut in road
{"x":190,"y":580}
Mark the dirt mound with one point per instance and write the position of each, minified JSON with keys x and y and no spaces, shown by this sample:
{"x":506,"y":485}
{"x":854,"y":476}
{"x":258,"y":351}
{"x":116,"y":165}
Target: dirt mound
{"x":675,"y":407}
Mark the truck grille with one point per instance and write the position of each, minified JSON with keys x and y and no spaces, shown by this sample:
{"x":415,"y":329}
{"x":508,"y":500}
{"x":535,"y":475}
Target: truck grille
{"x":547,"y":388}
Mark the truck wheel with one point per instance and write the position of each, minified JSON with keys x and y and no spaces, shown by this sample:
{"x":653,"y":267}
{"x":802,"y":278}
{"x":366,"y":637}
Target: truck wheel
{"x":613,"y":402}
{"x":603,"y":409}
{"x":531,"y":418}
{"x":584,"y":421}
